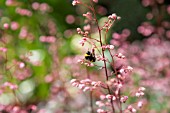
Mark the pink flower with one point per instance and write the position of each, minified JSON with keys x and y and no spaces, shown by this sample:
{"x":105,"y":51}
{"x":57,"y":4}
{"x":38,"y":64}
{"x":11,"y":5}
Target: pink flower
{"x":140,"y":104}
{"x":96,"y":1}
{"x":75,"y":2}
{"x":88,"y":15}
{"x":6,"y":25}
{"x":3,"y":49}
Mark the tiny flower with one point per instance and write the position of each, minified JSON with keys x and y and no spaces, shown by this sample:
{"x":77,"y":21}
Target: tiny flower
{"x":73,"y":80}
{"x":35,"y":5}
{"x":121,"y":70}
{"x":137,"y":94}
{"x":102,"y":97}
{"x":80,"y":61}
{"x":79,"y":31}
{"x":120,"y":55}
{"x":108,"y":96}
{"x":141,"y":89}
{"x":113,"y":16}
{"x":140,"y":104}
{"x":99,"y":103}
{"x":96,"y":1}
{"x":129,"y":68}
{"x":87,"y":28}
{"x":21,"y":65}
{"x":88,"y":15}
{"x":14,"y":25}
{"x":75,"y":2}
{"x":3,"y":49}
{"x":123,"y":99}
{"x":111,"y":47}
{"x":133,"y":110}
{"x":82,"y":42}
{"x":6,"y":26}
{"x":100,"y":111}
{"x":113,"y":98}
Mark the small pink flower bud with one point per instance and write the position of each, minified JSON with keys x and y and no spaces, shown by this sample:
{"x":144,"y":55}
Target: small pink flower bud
{"x":121,"y":70}
{"x":142,"y":89}
{"x":133,"y":110}
{"x":88,"y":15}
{"x":75,"y":2}
{"x":137,"y":94}
{"x":6,"y":25}
{"x":96,"y":1}
{"x":14,"y":25}
{"x":87,"y":28}
{"x":3,"y":49}
{"x":118,"y":17}
{"x":111,"y":47}
{"x":79,"y":31}
{"x":124,"y":99}
{"x":100,"y":111}
{"x":102,"y":97}
{"x":113,"y":16}
{"x":140,"y":104}
{"x":21,"y":65}
{"x":35,"y":5}
{"x":113,"y":98}
{"x":108,"y":96}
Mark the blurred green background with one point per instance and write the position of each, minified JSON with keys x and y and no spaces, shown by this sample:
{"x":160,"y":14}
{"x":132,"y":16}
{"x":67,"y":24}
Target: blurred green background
{"x":46,"y":72}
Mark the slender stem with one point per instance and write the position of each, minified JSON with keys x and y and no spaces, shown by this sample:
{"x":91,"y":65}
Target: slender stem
{"x":120,"y":107}
{"x":91,"y":96}
{"x":91,"y":101}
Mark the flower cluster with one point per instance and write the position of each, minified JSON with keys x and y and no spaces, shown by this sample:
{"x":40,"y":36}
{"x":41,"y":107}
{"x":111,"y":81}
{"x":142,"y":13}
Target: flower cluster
{"x":115,"y":81}
{"x":23,"y":12}
{"x":87,"y":84}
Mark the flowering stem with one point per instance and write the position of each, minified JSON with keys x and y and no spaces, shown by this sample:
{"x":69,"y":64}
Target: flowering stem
{"x":101,"y":44}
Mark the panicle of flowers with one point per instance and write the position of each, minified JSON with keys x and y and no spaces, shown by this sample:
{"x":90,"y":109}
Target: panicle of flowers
{"x":23,"y":12}
{"x":131,"y":109}
{"x":84,"y":35}
{"x":123,"y":99}
{"x":140,"y":92}
{"x":114,"y":17}
{"x":85,"y":62}
{"x":111,"y":47}
{"x":3,"y":49}
{"x":86,"y":84}
{"x":17,"y":108}
{"x":43,"y":7}
{"x":10,"y":85}
{"x":100,"y":58}
{"x":120,"y":55}
{"x":25,"y":34}
{"x":111,"y":19}
{"x":126,"y":69}
{"x":48,"y":39}
{"x":14,"y":25}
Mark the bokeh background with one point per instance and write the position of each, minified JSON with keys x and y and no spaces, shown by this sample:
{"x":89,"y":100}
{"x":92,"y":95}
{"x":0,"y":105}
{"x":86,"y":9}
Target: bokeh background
{"x":39,"y":49}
